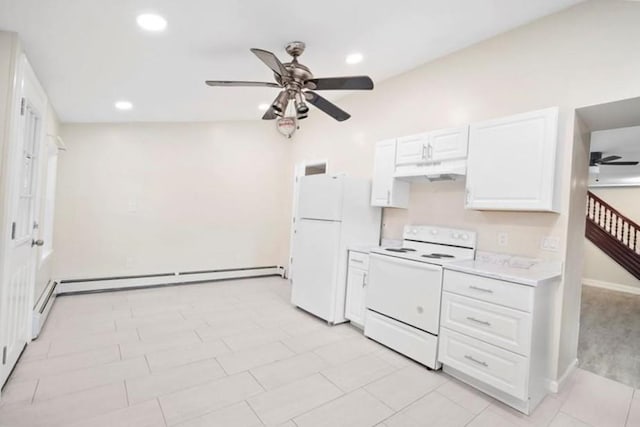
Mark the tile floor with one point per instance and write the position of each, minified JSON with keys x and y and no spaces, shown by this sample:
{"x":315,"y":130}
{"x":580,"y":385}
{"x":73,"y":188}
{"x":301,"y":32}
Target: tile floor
{"x":238,"y":354}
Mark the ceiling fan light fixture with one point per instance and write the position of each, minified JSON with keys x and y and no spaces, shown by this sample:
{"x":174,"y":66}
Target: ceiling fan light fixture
{"x":281,"y":102}
{"x":301,"y":106}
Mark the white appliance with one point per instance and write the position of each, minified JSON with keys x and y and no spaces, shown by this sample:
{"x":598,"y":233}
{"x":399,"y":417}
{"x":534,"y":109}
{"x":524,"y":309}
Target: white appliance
{"x":405,"y":288}
{"x":334,"y":212}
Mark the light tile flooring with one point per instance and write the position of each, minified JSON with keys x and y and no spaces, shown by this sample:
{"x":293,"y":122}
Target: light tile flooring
{"x":238,"y":354}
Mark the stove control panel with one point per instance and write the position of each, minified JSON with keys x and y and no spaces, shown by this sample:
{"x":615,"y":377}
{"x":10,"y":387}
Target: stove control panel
{"x":440,"y":235}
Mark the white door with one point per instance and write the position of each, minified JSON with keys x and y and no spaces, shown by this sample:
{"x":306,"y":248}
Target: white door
{"x":321,"y":197}
{"x":354,"y":308}
{"x":407,"y":291}
{"x":448,"y":144}
{"x":19,"y":259}
{"x":316,"y":260}
{"x":412,"y":149}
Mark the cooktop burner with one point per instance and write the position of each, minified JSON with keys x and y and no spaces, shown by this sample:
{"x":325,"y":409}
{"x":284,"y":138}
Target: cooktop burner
{"x":403,"y":250}
{"x":437,"y":255}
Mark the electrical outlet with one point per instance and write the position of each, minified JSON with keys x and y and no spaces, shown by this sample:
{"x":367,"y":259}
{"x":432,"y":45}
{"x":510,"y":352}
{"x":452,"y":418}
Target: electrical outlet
{"x":503,"y":238}
{"x":550,"y":243}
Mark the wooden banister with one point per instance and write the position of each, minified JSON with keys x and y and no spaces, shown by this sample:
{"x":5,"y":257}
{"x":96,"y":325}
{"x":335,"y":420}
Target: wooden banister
{"x":614,"y":233}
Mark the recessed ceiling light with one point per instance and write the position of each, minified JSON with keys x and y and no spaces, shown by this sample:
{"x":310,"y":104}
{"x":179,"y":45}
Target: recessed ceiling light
{"x":124,"y":105}
{"x":263,"y":107}
{"x":151,"y":22}
{"x":354,"y":58}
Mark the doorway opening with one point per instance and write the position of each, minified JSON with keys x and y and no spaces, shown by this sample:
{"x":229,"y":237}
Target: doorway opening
{"x":609,"y":336}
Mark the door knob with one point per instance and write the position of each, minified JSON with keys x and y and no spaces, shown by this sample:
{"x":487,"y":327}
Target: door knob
{"x":38,"y":242}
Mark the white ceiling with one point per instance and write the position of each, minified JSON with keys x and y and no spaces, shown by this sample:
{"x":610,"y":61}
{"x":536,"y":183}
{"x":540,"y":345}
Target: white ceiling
{"x":90,"y":53}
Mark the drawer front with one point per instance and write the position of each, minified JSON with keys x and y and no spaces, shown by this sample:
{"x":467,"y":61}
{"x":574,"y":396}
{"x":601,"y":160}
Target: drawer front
{"x":501,"y":326}
{"x":358,"y":260}
{"x":414,"y":343}
{"x":499,"y":368}
{"x":495,"y":291}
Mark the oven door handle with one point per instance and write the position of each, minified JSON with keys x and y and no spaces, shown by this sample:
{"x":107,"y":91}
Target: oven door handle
{"x":408,"y":263}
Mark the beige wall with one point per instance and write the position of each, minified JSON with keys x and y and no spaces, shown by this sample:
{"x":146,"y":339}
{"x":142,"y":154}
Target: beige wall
{"x":599,"y":266}
{"x":149,"y":198}
{"x":584,"y":55}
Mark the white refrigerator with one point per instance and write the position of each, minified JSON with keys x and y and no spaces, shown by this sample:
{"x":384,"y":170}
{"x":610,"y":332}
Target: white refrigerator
{"x":334,"y":213}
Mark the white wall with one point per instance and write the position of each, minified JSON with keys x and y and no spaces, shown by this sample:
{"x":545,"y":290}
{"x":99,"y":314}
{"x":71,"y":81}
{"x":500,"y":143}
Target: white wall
{"x":582,"y":56}
{"x":152,"y":198}
{"x":598,"y":266}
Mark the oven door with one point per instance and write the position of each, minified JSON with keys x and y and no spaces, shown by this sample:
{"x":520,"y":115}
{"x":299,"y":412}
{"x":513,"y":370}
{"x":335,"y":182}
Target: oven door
{"x":408,"y":291}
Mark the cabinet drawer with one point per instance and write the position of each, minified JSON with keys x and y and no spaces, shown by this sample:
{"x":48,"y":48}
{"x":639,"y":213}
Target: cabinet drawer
{"x":499,"y":368}
{"x":358,"y":260}
{"x":494,"y":324}
{"x":491,"y":290}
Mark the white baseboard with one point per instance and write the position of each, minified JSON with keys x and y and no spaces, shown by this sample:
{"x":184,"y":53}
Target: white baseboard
{"x":151,"y":280}
{"x":612,"y":286}
{"x":556,"y":386}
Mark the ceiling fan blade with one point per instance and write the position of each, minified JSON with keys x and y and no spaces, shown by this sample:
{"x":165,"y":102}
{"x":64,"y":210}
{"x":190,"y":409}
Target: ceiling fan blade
{"x":271,"y":61}
{"x":230,"y":83}
{"x":326,"y":106}
{"x":341,"y":83}
{"x":608,"y":159}
{"x":630,"y":163}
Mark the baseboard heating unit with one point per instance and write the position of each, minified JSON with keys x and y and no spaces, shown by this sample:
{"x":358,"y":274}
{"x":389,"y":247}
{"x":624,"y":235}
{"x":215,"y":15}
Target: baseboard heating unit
{"x":75,"y":286}
{"x":43,"y":307}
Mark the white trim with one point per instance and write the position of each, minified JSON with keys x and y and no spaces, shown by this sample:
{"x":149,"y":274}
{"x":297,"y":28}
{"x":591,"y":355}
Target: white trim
{"x":177,"y":278}
{"x":556,"y":386}
{"x":612,"y":286}
{"x":43,"y":307}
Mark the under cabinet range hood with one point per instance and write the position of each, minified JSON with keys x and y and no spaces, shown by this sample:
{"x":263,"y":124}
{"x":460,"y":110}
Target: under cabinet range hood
{"x":449,"y":170}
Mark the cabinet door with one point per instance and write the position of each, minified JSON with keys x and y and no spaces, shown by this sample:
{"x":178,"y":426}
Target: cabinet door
{"x":356,"y":282}
{"x":386,"y":191}
{"x":412,"y":149}
{"x":448,"y":144}
{"x":511,"y":162}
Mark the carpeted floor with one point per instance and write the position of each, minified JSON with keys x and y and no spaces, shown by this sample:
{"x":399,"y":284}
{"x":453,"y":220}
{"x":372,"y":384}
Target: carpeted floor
{"x":610,"y":335}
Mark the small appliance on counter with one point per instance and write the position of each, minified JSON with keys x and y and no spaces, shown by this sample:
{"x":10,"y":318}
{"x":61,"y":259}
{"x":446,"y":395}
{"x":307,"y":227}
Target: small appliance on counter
{"x":405,"y":288}
{"x":334,"y":213}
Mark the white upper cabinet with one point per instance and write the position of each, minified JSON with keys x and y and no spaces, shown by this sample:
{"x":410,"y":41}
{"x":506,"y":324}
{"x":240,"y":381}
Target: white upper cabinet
{"x":412,"y":149}
{"x":448,"y":144}
{"x":512,"y":163}
{"x":431,"y":147}
{"x":387,"y":191}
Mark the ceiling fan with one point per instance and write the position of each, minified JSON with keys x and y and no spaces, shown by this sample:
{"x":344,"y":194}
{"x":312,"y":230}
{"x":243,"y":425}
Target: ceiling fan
{"x":597,"y":160}
{"x":298,"y":83}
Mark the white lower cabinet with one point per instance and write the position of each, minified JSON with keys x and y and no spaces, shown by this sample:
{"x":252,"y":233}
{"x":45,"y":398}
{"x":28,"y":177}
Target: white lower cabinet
{"x":356,"y":287}
{"x":496,"y":342}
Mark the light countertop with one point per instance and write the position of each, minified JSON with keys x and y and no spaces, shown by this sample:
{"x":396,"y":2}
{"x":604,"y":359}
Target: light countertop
{"x":525,"y":271}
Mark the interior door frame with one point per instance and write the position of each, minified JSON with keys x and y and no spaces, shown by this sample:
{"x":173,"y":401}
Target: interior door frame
{"x":299,"y":170}
{"x":25,"y":87}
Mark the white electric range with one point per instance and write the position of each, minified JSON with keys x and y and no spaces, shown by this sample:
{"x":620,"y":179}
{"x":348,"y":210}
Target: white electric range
{"x":405,"y":287}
